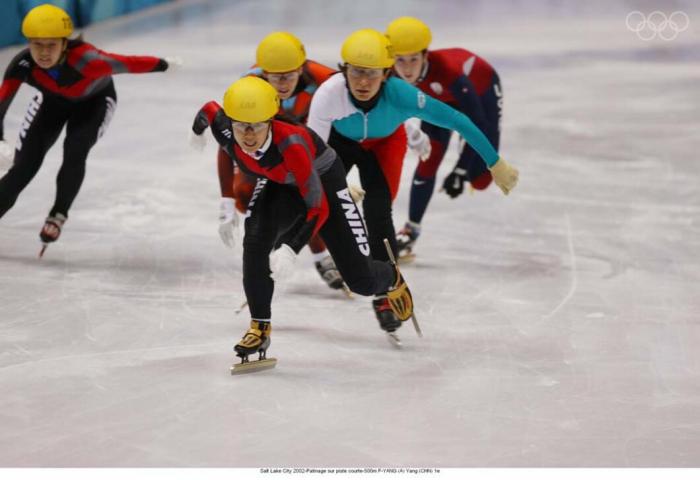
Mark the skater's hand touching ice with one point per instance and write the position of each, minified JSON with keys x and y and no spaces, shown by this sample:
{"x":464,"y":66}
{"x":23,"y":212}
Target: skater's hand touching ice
{"x":228,"y":222}
{"x":282,"y":262}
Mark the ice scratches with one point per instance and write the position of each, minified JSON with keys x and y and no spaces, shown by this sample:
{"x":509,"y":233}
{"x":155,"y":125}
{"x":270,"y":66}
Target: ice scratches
{"x":574,"y":272}
{"x":130,"y":356}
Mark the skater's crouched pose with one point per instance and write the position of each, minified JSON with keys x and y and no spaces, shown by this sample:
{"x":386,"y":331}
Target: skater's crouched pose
{"x":75,"y":89}
{"x":301,"y":190}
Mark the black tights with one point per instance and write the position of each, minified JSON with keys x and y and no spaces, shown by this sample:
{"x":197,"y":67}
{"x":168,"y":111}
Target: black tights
{"x":85,"y":122}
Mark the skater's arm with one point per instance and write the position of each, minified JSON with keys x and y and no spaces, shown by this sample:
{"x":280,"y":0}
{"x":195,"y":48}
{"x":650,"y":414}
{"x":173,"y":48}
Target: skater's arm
{"x":330,"y":102}
{"x":417,"y":104}
{"x":470,"y":105}
{"x":226,"y":173}
{"x":212,"y":115}
{"x":8,"y":89}
{"x":308,"y":182}
{"x":16,"y":73}
{"x":95,"y":63}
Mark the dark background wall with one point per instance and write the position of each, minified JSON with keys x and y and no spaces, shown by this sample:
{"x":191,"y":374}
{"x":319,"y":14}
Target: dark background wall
{"x":83,"y":12}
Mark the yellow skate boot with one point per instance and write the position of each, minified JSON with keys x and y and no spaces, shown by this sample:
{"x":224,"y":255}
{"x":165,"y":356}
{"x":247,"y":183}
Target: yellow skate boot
{"x":256,"y":339}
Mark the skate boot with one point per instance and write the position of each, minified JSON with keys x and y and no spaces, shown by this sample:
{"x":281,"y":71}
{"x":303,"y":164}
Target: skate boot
{"x":256,"y":339}
{"x":400,"y":298}
{"x":51,"y":230}
{"x":385,"y":315}
{"x":329,"y":273}
{"x":405,"y":240}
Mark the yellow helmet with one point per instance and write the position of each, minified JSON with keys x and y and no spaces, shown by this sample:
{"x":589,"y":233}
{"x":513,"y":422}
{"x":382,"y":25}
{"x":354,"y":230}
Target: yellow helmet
{"x":47,"y":21}
{"x":408,"y":35}
{"x":280,"y":52}
{"x":368,"y":48}
{"x":251,"y":99}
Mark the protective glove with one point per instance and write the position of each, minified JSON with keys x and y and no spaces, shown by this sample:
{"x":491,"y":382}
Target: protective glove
{"x":454,"y":182}
{"x":418,"y":141}
{"x":357,"y":193}
{"x":228,"y":222}
{"x":7,"y":155}
{"x":282,"y":262}
{"x":175,"y":63}
{"x":197,"y":142}
{"x":505,"y":176}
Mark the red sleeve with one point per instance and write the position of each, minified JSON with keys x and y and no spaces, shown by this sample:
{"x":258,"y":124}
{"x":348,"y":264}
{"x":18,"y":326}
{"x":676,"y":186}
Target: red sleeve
{"x":308,"y":181}
{"x":94,"y":63}
{"x":8,"y":89}
{"x":320,"y":73}
{"x":225,"y":169}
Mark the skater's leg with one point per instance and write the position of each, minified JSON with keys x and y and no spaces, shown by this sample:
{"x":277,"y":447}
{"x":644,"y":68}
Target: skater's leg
{"x":423,"y":183}
{"x":86,"y":125}
{"x":346,"y":239}
{"x":487,"y":115}
{"x":260,"y":234}
{"x":272,"y":210}
{"x":40,"y":129}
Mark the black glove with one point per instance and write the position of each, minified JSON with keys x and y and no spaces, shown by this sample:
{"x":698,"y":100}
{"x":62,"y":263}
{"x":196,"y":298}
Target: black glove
{"x":454,"y":182}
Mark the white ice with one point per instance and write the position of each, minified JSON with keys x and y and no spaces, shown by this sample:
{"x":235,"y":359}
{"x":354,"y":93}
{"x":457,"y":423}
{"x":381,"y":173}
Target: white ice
{"x":561,"y":322}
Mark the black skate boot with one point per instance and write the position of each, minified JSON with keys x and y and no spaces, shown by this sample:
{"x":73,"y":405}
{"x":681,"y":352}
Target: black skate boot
{"x":385,"y":315}
{"x":405,"y":240}
{"x":51,"y":230}
{"x":329,"y":273}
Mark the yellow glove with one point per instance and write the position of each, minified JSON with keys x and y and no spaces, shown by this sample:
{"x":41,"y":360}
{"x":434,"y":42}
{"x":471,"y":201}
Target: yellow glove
{"x":505,"y":176}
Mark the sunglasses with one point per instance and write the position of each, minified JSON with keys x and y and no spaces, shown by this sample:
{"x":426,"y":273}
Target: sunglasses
{"x":282,"y":77}
{"x":243,"y":127}
{"x":368,"y":73}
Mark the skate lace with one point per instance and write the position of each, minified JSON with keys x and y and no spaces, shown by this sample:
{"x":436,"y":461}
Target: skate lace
{"x":252,"y":337}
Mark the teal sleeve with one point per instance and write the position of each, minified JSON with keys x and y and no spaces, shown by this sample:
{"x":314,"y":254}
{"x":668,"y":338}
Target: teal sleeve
{"x":438,"y":113}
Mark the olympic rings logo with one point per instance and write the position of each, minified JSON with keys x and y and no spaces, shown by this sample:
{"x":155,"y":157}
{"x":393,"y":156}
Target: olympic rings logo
{"x":657,"y":24}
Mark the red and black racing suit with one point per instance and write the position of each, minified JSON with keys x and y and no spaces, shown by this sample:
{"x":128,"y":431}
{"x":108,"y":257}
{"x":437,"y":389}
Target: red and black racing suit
{"x":78,"y":93}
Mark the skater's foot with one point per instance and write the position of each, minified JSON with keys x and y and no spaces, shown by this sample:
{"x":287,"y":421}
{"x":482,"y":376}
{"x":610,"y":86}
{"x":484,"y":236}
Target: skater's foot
{"x":406,"y":239}
{"x":329,"y":273}
{"x":52,"y":228}
{"x":385,"y":314}
{"x":256,"y":339}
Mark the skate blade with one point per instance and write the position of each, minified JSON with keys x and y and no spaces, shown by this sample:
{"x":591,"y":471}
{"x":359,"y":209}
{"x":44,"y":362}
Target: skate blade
{"x":240,"y":309}
{"x":347,"y":291}
{"x":253,"y":366}
{"x":394,"y":339}
{"x":44,"y":246}
{"x":419,"y":332}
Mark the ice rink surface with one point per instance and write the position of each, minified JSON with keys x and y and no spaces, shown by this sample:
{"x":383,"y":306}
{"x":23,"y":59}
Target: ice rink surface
{"x":561,"y":322}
